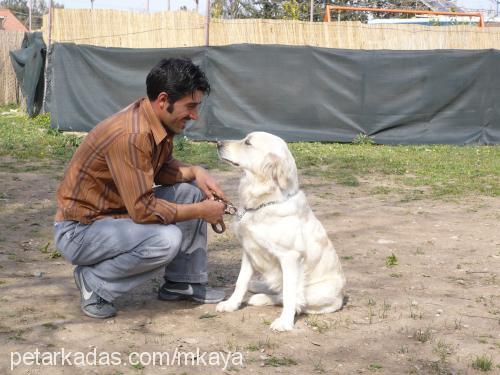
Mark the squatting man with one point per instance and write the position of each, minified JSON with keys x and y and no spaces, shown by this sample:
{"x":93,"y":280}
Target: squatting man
{"x":114,"y":225}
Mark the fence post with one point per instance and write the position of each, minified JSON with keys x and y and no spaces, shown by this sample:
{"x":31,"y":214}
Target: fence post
{"x":207,"y":25}
{"x":49,"y":42}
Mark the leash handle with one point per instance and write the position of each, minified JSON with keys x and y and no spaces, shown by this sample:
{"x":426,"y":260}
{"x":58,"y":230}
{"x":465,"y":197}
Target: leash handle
{"x":219,"y":227}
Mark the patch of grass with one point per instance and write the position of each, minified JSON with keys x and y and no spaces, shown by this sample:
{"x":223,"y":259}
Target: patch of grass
{"x":382,"y":190}
{"x":316,"y":324}
{"x":45,"y":249}
{"x":49,"y":325}
{"x":424,"y":171}
{"x":349,"y":257}
{"x":319,"y":367}
{"x":482,"y":363}
{"x":55,"y":254}
{"x":266,"y":322}
{"x":443,"y":350}
{"x":198,"y":153}
{"x":18,"y":335}
{"x":252,"y":347}
{"x":396,"y":275}
{"x":422,"y":335}
{"x":25,"y":138}
{"x":375,"y":367}
{"x":362,"y":139}
{"x":207,"y":316}
{"x":391,"y":260}
{"x":279,"y":361}
{"x":446,"y":169}
{"x":138,"y":366}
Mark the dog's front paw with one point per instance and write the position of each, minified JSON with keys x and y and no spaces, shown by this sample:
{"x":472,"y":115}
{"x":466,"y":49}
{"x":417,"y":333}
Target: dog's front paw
{"x":281,"y":325}
{"x":227,"y":306}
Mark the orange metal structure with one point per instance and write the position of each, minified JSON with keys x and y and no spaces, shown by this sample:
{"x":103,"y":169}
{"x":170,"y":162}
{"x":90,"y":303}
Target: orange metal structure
{"x":329,"y":8}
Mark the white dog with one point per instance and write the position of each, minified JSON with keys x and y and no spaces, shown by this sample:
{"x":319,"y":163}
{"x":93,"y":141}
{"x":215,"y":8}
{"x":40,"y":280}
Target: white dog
{"x":281,"y":237}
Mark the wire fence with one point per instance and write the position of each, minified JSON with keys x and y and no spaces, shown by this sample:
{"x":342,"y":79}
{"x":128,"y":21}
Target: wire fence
{"x":9,"y":88}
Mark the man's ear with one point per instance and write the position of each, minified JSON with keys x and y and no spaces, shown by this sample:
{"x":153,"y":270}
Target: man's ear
{"x":163,"y":100}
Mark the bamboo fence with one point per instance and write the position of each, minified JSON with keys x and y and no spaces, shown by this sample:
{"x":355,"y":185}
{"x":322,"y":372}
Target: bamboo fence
{"x":9,"y":88}
{"x":112,"y":28}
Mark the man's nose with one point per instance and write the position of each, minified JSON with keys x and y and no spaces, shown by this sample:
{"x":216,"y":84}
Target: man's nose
{"x":193,"y":114}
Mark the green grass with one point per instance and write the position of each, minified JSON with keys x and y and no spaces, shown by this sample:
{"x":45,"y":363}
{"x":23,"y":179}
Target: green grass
{"x":482,"y":363}
{"x":415,"y":171}
{"x":34,"y":139}
{"x":279,"y":361}
{"x":446,"y":169}
{"x":391,"y":260}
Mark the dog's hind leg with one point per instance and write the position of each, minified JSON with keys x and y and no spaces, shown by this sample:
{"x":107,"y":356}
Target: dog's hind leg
{"x":262,"y":299}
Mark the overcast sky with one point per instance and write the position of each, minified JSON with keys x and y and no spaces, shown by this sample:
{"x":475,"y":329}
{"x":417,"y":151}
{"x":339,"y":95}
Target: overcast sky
{"x":134,"y":5}
{"x":160,"y":5}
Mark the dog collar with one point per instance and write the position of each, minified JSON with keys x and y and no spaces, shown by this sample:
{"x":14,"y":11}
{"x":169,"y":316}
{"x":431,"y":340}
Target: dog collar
{"x":242,"y":212}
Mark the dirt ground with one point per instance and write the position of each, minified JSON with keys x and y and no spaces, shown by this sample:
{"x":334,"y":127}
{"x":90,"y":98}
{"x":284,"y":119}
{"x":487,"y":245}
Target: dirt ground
{"x":433,"y":312}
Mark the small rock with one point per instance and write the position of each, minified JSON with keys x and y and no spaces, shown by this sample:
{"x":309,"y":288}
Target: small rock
{"x":439,"y":311}
{"x":38,"y":273}
{"x":385,"y":242}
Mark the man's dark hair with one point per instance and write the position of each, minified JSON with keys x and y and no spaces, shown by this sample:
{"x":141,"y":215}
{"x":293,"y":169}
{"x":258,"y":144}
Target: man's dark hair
{"x":176,"y":77}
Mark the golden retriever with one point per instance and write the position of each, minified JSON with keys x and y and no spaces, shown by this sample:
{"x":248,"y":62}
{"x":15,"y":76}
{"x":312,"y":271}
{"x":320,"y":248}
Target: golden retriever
{"x":281,"y":238}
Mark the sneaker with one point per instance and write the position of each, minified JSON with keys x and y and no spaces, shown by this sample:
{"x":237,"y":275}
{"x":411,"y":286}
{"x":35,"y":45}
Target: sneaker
{"x":202,"y":293}
{"x":91,"y":303}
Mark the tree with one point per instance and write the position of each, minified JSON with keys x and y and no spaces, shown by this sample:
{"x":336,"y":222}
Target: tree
{"x":300,"y":9}
{"x":21,"y":10}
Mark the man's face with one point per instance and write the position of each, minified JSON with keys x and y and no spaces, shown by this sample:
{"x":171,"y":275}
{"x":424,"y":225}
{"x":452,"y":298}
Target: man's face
{"x":174,"y":117}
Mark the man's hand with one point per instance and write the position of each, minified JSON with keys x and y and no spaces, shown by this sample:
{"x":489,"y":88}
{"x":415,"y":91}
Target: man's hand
{"x":212,"y":211}
{"x":206,"y":183}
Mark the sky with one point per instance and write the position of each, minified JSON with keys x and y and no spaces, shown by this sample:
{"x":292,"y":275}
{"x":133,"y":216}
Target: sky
{"x":161,"y":5}
{"x":135,"y":5}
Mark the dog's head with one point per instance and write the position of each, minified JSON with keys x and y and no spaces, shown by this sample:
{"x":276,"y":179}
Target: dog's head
{"x":265,"y":157}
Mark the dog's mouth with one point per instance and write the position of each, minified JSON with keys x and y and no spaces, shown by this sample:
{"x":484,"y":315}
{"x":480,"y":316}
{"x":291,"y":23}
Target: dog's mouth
{"x":230,"y":162}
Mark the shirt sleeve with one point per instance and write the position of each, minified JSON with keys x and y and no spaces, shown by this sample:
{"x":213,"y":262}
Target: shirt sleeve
{"x":168,"y":172}
{"x":129,"y":160}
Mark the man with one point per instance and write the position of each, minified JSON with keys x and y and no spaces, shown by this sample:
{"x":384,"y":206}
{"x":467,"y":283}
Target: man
{"x":114,"y":225}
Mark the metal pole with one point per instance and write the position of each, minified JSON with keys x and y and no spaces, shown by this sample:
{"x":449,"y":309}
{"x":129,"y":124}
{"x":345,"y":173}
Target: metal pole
{"x":30,"y":5}
{"x":168,"y":5}
{"x":312,"y":11}
{"x":147,"y":5}
{"x":207,"y":24}
{"x":49,"y":43}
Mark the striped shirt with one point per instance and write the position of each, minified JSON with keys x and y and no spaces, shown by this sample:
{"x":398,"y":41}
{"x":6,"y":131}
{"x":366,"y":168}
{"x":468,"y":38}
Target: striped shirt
{"x":113,"y":171}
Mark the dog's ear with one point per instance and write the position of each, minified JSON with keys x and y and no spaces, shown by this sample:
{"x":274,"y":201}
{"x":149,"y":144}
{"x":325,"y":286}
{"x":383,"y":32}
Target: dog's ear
{"x":282,"y":170}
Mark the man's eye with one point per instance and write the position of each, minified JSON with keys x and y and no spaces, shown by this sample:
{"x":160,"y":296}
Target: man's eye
{"x":247,"y":142}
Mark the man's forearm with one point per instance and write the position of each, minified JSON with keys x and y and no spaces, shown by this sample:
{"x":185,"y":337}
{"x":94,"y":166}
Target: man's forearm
{"x":188,"y":212}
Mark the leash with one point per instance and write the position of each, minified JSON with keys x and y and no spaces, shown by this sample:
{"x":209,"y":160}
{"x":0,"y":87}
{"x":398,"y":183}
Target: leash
{"x":230,"y":209}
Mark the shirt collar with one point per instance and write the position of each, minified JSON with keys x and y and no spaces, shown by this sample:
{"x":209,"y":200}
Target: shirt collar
{"x":159,"y":132}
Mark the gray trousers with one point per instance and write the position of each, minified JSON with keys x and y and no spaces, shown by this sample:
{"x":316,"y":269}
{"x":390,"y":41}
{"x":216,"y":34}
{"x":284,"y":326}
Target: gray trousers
{"x":117,"y":255}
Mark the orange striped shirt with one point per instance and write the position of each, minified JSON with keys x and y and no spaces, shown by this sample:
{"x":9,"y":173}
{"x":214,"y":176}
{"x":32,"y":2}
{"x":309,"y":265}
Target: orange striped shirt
{"x":113,"y":171}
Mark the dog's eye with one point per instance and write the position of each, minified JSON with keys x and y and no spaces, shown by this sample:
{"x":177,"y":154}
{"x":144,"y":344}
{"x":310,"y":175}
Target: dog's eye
{"x":247,"y":142}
